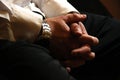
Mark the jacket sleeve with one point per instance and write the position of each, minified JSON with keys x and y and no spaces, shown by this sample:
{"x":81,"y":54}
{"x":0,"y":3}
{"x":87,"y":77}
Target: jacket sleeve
{"x":24,"y":23}
{"x":53,"y":8}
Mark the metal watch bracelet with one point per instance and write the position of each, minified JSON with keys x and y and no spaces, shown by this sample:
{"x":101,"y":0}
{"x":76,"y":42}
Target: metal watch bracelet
{"x":45,"y":32}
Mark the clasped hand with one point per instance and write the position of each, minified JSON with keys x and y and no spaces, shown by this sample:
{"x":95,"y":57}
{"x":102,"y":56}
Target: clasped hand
{"x":70,"y":42}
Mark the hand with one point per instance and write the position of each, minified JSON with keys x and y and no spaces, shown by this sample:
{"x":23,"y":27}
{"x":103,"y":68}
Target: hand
{"x":61,"y":35}
{"x":63,"y":42}
{"x":83,"y":53}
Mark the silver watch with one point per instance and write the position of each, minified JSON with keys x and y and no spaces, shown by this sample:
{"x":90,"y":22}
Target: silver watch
{"x":46,"y":31}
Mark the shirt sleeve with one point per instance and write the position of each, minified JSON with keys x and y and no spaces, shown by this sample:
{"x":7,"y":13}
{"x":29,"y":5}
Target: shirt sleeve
{"x":24,"y":23}
{"x":5,"y":29}
{"x":53,"y":8}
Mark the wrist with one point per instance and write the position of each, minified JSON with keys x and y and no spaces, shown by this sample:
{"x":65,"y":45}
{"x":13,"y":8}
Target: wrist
{"x":44,"y":35}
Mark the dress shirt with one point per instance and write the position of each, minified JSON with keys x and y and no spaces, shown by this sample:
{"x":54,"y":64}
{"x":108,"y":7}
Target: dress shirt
{"x":18,"y":21}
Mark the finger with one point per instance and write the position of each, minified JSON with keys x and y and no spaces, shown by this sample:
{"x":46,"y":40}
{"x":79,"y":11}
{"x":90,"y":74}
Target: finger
{"x":87,"y":39}
{"x":82,"y":27}
{"x":90,"y":56}
{"x":84,"y":50}
{"x":87,"y":56}
{"x":74,"y":17}
{"x":76,"y":29}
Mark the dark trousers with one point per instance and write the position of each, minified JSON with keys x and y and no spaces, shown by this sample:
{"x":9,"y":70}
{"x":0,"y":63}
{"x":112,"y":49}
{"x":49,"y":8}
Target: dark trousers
{"x":23,"y":61}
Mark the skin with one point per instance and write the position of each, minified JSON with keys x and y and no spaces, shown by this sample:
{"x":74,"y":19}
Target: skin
{"x":70,"y":42}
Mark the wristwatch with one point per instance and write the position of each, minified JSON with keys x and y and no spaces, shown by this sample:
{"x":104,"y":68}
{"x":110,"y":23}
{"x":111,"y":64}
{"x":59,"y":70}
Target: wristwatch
{"x":45,"y":32}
